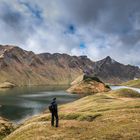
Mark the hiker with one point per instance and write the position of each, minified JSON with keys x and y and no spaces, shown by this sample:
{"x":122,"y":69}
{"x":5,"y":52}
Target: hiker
{"x":54,"y":111}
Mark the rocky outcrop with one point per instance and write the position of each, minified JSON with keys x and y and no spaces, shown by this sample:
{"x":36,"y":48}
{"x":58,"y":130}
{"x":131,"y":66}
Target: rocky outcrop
{"x":6,"y":127}
{"x":88,"y":85}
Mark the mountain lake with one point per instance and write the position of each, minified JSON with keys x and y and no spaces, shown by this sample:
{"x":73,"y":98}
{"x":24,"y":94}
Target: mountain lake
{"x":18,"y":104}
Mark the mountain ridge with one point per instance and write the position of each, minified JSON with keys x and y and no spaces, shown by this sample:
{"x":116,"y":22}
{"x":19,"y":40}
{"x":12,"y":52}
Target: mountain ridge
{"x":111,"y":71}
{"x":23,"y":67}
{"x":19,"y":66}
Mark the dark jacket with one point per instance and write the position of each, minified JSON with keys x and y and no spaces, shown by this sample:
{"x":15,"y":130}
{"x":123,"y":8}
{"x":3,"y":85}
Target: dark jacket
{"x":54,"y":107}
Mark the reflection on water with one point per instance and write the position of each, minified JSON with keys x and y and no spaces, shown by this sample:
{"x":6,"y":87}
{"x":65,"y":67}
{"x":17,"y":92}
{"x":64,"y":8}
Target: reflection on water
{"x":19,"y":103}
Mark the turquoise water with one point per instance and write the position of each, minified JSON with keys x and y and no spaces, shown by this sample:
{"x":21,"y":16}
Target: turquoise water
{"x":20,"y":103}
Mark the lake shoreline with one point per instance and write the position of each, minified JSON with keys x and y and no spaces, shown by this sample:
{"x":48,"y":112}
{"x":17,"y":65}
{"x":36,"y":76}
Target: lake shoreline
{"x":21,"y":103}
{"x":41,"y":95}
{"x":82,"y":96}
{"x":110,"y":113}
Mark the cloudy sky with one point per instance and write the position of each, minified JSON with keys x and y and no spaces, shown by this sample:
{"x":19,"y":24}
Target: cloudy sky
{"x":96,"y":28}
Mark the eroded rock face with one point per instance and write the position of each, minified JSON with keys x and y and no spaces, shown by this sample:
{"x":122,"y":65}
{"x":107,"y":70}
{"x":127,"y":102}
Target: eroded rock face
{"x":111,"y":71}
{"x":6,"y":127}
{"x":88,"y":85}
{"x":23,"y":67}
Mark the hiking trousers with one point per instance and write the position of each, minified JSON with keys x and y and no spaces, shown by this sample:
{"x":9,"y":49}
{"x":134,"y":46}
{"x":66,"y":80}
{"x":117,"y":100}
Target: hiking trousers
{"x":54,"y":117}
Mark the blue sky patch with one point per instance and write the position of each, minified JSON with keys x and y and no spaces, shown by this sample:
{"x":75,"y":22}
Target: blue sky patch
{"x":82,"y":45}
{"x":71,"y":29}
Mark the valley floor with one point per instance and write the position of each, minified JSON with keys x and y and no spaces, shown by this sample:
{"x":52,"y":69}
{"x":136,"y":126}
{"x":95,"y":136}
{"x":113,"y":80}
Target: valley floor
{"x":104,"y":116}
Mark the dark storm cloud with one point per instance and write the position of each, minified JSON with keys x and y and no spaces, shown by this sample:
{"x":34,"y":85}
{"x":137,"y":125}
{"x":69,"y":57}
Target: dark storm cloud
{"x":109,"y":15}
{"x":9,"y":16}
{"x":16,"y":24}
{"x":13,"y":22}
{"x":131,"y":39}
{"x":82,"y":11}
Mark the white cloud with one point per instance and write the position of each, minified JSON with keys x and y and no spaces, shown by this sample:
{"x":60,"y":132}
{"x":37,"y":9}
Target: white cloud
{"x":110,"y":27}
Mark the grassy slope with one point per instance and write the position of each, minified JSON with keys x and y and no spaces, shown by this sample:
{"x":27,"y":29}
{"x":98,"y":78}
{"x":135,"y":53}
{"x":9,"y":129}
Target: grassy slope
{"x":104,"y":116}
{"x":125,"y":93}
{"x":132,"y":83}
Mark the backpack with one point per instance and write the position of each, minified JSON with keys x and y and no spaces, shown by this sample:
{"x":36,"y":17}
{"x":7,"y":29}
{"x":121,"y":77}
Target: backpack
{"x":50,"y":108}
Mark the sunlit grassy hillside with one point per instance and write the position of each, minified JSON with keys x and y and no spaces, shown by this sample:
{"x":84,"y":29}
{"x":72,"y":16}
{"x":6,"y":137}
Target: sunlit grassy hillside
{"x":104,"y":116}
{"x":132,"y":83}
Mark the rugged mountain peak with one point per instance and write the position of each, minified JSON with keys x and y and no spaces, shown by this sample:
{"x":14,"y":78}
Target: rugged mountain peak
{"x":111,"y":71}
{"x":109,"y":60}
{"x":101,"y":64}
{"x":108,"y":57}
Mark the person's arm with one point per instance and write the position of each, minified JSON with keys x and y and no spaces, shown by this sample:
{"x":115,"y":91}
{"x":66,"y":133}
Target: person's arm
{"x":56,"y":107}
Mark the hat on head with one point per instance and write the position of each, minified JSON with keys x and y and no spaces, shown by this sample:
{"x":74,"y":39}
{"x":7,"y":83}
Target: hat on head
{"x":54,"y":98}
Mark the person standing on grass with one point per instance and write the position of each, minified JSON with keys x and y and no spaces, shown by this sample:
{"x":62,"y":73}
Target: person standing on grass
{"x":54,"y":112}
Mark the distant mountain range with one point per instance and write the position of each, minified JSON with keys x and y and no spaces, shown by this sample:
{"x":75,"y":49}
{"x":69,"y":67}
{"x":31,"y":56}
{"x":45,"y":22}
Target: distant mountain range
{"x":23,"y":67}
{"x":111,"y":71}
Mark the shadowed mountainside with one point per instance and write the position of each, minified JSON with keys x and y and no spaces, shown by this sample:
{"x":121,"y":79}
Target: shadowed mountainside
{"x":111,"y":71}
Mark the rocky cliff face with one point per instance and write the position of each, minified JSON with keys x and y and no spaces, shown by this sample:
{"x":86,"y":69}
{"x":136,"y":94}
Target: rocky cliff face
{"x":23,"y":67}
{"x":111,"y":71}
{"x":6,"y":127}
{"x":26,"y":68}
